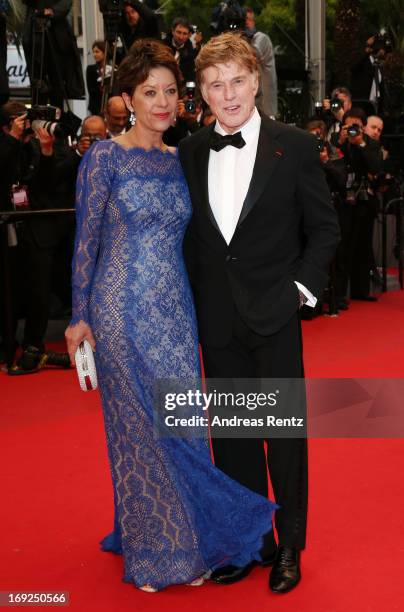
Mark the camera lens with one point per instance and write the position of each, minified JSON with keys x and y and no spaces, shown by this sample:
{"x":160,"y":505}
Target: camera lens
{"x":354,"y":130}
{"x":190,"y":106}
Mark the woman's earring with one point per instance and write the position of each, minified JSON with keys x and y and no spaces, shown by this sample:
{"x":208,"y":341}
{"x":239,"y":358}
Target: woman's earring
{"x":132,"y":118}
{"x":173,"y":119}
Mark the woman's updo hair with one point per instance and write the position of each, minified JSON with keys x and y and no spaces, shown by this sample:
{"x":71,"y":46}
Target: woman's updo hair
{"x":145,"y":55}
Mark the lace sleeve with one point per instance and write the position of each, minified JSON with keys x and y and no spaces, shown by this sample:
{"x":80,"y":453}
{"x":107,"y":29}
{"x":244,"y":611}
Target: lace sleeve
{"x":92,"y":194}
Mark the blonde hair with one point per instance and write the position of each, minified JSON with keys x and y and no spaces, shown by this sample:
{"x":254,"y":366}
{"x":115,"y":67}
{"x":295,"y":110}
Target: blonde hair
{"x":225,"y":48}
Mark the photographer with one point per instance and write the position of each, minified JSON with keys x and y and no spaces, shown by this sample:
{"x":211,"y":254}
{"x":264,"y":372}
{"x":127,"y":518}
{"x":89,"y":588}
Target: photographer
{"x":333,"y":109}
{"x":138,"y":21}
{"x":189,"y":117}
{"x":363,"y":158}
{"x":331,"y":158}
{"x":45,"y":175}
{"x":92,"y":130}
{"x":179,"y":42}
{"x":334,"y":166}
{"x":367,"y":74}
{"x":62,"y":71}
{"x":14,"y":153}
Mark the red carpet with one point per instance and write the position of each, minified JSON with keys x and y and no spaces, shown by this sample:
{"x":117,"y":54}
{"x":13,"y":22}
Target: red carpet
{"x":57,"y":499}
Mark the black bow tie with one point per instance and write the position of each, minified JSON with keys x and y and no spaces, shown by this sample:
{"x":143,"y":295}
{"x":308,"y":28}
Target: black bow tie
{"x":218,"y":142}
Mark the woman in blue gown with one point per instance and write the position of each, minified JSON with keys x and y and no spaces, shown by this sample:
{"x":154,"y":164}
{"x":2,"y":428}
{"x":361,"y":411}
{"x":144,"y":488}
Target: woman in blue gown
{"x":176,"y":516}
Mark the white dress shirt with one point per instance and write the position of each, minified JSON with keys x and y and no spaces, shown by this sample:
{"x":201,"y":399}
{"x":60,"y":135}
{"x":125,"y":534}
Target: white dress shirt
{"x":375,"y":89}
{"x":229,"y":175}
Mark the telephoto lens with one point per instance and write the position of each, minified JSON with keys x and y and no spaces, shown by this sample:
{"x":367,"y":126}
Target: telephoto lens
{"x":190,"y":104}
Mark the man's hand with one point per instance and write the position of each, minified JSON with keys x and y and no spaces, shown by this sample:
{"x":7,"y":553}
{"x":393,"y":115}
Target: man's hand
{"x":18,"y":127}
{"x":357,"y":140}
{"x":83,"y":144}
{"x":46,"y":141}
{"x":369,"y":45}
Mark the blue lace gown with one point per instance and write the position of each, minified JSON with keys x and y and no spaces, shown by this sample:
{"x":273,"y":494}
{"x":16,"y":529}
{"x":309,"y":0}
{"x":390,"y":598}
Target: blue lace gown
{"x":176,"y":515}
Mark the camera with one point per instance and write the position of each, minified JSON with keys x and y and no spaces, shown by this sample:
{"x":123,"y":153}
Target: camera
{"x":112,"y":12}
{"x":381,"y":42}
{"x":318,"y":109}
{"x":111,"y":6}
{"x":336,"y":104}
{"x":227,"y":16}
{"x":354,"y":130}
{"x":190,"y":104}
{"x":321,"y":144}
{"x":45,"y":117}
{"x":93,"y":139}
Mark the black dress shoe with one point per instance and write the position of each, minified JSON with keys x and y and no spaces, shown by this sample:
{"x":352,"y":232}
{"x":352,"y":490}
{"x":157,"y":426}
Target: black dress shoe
{"x":230,"y":573}
{"x":285,"y":573}
{"x":31,"y":360}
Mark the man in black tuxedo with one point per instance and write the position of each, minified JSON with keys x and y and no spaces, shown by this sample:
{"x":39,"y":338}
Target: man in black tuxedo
{"x":258,"y":246}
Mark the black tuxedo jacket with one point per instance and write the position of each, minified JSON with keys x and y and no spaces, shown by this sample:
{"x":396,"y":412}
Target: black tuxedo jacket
{"x":287,"y":231}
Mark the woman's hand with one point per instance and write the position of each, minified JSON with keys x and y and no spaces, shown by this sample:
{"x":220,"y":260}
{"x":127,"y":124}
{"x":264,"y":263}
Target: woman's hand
{"x":75,"y":334}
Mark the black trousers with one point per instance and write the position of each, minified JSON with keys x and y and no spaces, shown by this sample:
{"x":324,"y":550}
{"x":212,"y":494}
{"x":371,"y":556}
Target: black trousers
{"x":364,"y":220}
{"x":249,"y":355}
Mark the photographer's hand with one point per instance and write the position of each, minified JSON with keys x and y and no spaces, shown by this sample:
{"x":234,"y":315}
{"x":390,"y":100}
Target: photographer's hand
{"x":18,"y":127}
{"x":369,"y":45}
{"x":181,"y":109}
{"x":189,"y":118}
{"x":46,"y":141}
{"x":75,"y":334}
{"x":358,"y":141}
{"x":343,"y":135}
{"x":83,"y":144}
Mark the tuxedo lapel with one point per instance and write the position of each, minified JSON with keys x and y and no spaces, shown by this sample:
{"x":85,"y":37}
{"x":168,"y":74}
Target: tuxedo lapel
{"x":202,"y":152}
{"x":268,"y":155}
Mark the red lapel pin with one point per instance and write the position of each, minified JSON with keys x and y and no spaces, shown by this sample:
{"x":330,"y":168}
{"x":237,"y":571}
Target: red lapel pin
{"x":279,"y":152}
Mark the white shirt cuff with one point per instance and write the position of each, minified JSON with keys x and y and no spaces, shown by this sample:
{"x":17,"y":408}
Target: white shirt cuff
{"x":311,"y":300}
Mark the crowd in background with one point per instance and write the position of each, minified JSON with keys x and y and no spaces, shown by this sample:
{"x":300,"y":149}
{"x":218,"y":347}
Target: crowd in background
{"x":39,"y":169}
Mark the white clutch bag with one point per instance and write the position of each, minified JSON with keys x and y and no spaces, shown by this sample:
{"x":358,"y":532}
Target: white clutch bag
{"x":85,"y":365}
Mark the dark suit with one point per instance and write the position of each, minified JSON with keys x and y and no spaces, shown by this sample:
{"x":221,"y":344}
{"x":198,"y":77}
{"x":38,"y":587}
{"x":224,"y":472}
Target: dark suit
{"x":47,"y":242}
{"x":187,"y":55}
{"x":246,"y":299}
